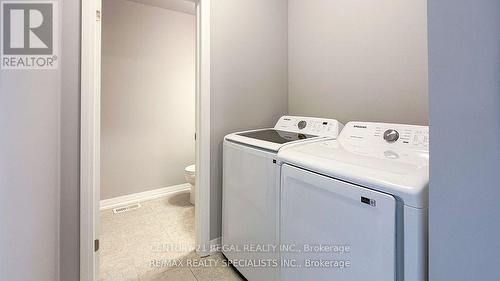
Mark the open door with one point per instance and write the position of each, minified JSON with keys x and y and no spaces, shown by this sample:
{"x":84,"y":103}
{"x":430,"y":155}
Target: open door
{"x":97,"y":157}
{"x":90,"y":140}
{"x":90,"y":136}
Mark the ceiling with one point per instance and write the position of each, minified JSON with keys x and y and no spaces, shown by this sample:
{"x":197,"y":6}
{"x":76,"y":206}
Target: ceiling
{"x":184,"y":6}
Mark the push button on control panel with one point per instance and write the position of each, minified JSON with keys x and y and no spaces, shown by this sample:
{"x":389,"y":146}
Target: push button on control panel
{"x":391,"y":135}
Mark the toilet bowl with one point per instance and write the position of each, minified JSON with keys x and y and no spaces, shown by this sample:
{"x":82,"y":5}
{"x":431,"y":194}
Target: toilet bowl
{"x":190,"y":175}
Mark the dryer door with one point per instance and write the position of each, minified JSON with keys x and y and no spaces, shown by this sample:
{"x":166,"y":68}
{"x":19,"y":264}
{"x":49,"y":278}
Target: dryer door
{"x":333,"y":230}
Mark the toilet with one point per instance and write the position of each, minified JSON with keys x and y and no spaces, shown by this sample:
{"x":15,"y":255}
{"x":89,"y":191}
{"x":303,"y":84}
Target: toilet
{"x":190,"y":175}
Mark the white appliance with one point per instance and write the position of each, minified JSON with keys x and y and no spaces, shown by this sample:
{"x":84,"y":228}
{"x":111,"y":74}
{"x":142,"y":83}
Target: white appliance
{"x":366,"y":192}
{"x":251,"y":189}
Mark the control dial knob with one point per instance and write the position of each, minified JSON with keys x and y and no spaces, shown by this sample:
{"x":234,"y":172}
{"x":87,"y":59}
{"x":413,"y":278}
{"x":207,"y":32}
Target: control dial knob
{"x":391,"y":135}
{"x":302,"y":124}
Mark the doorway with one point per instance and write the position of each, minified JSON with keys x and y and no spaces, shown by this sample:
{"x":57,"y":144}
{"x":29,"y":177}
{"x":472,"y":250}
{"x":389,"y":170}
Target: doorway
{"x":91,"y":145}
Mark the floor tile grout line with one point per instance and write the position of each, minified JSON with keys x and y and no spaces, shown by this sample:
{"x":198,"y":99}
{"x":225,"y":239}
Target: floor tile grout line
{"x":193,"y":274}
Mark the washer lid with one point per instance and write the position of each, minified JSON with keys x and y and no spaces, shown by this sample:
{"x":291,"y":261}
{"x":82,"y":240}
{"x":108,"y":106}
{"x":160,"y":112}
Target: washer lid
{"x":361,"y":156}
{"x":288,"y":130}
{"x":275,"y":136}
{"x":268,"y":139}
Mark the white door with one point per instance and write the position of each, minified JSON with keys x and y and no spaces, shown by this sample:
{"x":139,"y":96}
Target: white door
{"x":332,"y":230}
{"x":250,"y":209}
{"x":97,"y":172}
{"x":90,"y":140}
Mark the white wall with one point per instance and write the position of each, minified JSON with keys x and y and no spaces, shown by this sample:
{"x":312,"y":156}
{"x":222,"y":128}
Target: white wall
{"x":359,"y":60}
{"x":464,"y":80}
{"x":248,"y":76}
{"x":148,"y":97}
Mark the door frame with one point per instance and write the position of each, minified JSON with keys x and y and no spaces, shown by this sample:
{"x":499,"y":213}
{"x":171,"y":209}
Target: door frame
{"x":90,"y":134}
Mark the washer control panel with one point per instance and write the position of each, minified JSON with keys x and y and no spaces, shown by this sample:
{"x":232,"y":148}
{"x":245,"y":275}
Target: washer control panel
{"x":385,"y":134}
{"x":310,"y":126}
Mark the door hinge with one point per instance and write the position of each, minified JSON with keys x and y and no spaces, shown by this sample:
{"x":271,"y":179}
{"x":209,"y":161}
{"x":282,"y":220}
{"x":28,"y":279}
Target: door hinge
{"x":97,"y":15}
{"x":96,"y":245}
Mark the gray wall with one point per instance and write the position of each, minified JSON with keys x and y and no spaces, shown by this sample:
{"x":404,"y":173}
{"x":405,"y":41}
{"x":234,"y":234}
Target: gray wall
{"x":70,"y":144}
{"x":38,"y":165}
{"x":359,"y":60}
{"x":464,"y":80}
{"x":148,"y":97}
{"x":29,"y":174}
{"x":38,"y":113}
{"x":248,"y":76}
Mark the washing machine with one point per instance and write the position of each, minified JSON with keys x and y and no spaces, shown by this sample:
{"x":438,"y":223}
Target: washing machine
{"x":356,"y":208}
{"x":251,"y":190}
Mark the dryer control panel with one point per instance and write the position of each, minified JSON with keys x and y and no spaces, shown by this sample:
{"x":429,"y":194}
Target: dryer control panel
{"x":309,"y":126}
{"x":387,"y":135}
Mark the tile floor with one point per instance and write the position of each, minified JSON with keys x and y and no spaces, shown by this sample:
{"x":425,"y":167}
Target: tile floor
{"x":156,"y":243}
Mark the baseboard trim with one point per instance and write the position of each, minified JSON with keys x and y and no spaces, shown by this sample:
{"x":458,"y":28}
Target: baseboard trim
{"x":213,"y":246}
{"x":142,"y":196}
